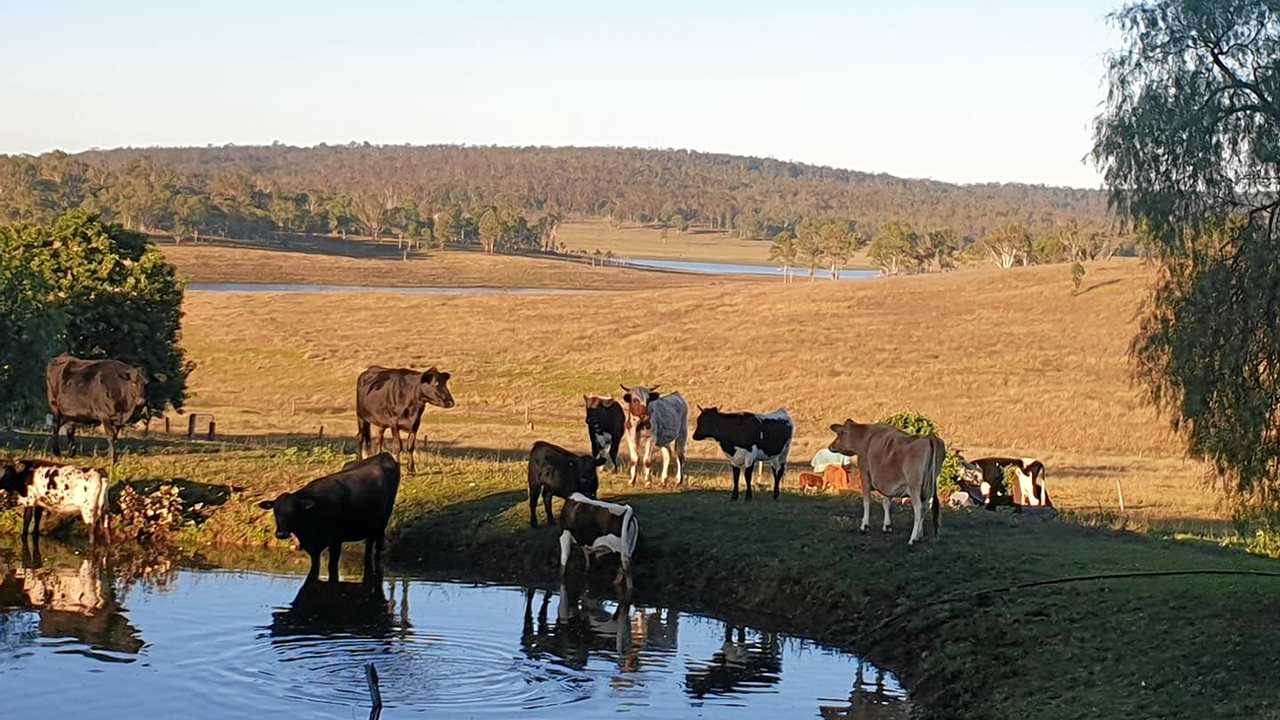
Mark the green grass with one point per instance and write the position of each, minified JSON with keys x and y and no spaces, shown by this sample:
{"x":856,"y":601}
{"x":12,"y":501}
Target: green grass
{"x":1187,"y":646}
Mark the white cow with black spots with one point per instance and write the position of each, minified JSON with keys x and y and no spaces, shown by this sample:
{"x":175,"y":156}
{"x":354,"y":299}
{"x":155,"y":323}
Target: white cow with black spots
{"x":58,"y":489}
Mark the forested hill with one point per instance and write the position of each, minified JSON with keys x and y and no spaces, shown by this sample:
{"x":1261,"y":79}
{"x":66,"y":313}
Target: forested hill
{"x":248,"y":188}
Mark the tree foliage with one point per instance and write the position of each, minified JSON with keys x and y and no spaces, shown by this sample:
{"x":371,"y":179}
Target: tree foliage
{"x":1189,"y":144}
{"x":94,"y":290}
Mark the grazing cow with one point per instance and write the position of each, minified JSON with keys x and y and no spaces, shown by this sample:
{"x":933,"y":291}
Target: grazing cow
{"x":556,"y":471}
{"x":93,"y":391}
{"x":598,"y":528}
{"x":351,"y":505}
{"x":58,"y":489}
{"x":606,"y":427}
{"x":749,"y":438}
{"x":894,"y":464}
{"x":395,"y":398}
{"x":1030,"y":489}
{"x":667,"y":417}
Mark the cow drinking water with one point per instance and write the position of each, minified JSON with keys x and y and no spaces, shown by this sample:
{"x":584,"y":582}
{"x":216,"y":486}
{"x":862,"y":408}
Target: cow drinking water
{"x":351,"y":505}
{"x":395,"y":398}
{"x":93,"y":391}
{"x":556,"y":471}
{"x":59,"y":489}
{"x":749,"y":438}
{"x":894,"y":464}
{"x":599,"y":528}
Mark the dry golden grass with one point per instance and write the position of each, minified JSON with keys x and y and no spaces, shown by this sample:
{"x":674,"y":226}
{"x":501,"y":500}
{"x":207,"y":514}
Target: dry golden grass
{"x":1007,"y":362}
{"x":382,"y":266}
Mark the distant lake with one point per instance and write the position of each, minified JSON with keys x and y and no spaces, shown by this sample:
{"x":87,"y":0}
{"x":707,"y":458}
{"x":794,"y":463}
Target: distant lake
{"x":714,"y":268}
{"x":236,"y":287}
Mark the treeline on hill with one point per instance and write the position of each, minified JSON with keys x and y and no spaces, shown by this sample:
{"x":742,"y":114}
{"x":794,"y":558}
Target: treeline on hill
{"x":267,"y":191}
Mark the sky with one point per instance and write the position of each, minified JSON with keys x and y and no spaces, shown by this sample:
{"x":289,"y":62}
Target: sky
{"x":957,"y":91}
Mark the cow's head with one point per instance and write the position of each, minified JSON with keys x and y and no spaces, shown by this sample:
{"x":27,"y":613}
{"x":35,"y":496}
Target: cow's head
{"x":290,"y":512}
{"x":848,"y":435}
{"x":584,"y":473}
{"x":706,"y":422}
{"x":598,"y":421}
{"x":14,"y":477}
{"x":434,"y":388}
{"x":638,"y":398}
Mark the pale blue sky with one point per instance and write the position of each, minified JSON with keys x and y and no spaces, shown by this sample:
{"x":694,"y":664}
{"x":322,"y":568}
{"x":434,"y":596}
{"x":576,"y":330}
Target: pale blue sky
{"x":966,"y":92}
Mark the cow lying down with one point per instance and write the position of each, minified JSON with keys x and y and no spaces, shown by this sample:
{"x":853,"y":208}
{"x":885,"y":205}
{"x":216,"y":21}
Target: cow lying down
{"x":58,"y":489}
{"x":598,"y":528}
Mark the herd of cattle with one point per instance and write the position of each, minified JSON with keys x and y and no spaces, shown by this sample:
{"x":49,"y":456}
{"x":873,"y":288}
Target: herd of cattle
{"x":356,"y":503}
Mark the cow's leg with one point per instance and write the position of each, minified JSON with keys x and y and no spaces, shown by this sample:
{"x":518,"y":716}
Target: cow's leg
{"x":917,"y":508}
{"x":648,"y":453}
{"x":57,"y":428}
{"x":534,"y":490}
{"x":314,"y":572}
{"x":749,"y":471}
{"x":586,"y":557}
{"x":27,"y":513}
{"x":546,"y":505}
{"x":36,"y":514}
{"x":71,"y":440}
{"x":666,"y":462}
{"x":866,"y":498}
{"x":112,"y":432}
{"x":335,"y":556}
{"x":566,"y":541}
{"x":777,"y":478}
{"x":681,"y":447}
{"x":888,"y":503}
{"x":737,"y":471}
{"x":382,"y":438}
{"x":413,"y":450}
{"x":395,"y":435}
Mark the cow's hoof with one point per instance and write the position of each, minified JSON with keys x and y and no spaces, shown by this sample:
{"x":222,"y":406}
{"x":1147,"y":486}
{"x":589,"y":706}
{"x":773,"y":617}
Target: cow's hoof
{"x":862,"y":530}
{"x":732,"y":498}
{"x":887,"y":531}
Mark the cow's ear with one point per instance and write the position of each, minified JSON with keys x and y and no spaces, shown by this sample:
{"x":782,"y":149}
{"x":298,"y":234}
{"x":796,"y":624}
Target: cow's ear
{"x":429,"y":376}
{"x":267,"y":504}
{"x":835,"y":428}
{"x":443,"y":377}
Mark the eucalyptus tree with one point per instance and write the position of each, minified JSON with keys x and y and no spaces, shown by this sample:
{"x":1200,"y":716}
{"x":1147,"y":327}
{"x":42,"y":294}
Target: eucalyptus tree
{"x":1189,"y":145}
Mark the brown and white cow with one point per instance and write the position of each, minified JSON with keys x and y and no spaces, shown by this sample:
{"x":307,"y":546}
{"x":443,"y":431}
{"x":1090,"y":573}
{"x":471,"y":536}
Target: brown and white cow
{"x":59,"y":489}
{"x":598,"y":528}
{"x":666,"y":417}
{"x":894,"y":464}
{"x":1029,"y":490}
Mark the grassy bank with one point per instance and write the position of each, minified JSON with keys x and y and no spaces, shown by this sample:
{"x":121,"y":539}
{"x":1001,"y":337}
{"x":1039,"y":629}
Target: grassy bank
{"x":1187,"y":646}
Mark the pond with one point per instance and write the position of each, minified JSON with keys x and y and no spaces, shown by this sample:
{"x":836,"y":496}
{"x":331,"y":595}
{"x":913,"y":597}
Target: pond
{"x":716,"y":268}
{"x":148,"y":637}
{"x":243,"y":287}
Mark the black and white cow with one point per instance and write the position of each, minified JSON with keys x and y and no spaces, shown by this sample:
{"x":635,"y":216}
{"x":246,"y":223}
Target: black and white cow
{"x":606,"y":426}
{"x":1030,"y":490}
{"x":59,"y":489}
{"x":747,"y":439}
{"x":598,"y":528}
{"x":350,"y":505}
{"x":556,"y":471}
{"x":94,"y":391}
{"x":667,"y":420}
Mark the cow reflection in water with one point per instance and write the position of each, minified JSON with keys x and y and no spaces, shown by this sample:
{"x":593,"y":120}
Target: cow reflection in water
{"x":583,"y":626}
{"x":874,"y":697}
{"x":330,"y":608}
{"x":74,"y":599}
{"x":741,"y":661}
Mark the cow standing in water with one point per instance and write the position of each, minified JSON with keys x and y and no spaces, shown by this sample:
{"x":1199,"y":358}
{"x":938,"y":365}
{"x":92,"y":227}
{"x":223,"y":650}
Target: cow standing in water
{"x":58,"y":489}
{"x":749,"y":438}
{"x":667,"y":419}
{"x":894,"y":464}
{"x":93,"y":391}
{"x":395,"y":398}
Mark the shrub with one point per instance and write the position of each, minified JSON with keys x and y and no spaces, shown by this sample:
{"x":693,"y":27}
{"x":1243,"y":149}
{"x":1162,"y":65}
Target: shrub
{"x":917,"y":424}
{"x":149,"y":517}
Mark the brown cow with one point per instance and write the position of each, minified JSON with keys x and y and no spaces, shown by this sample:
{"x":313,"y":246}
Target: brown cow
{"x":894,"y":464}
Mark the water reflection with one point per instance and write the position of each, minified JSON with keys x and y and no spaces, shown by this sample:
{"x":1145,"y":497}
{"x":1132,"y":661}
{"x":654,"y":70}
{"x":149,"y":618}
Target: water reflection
{"x":71,"y":600}
{"x":340,"y":608}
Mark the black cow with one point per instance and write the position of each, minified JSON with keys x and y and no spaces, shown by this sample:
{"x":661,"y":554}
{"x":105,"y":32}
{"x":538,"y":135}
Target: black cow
{"x":749,"y":438}
{"x":93,"y":391}
{"x":556,"y":471}
{"x":351,"y":505}
{"x":606,"y":425}
{"x":395,"y":398}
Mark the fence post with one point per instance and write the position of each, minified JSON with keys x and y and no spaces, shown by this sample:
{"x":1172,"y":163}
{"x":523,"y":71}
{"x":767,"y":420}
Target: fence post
{"x":166,"y":424}
{"x":191,"y":426}
{"x":212,"y":427}
{"x":321,"y":435}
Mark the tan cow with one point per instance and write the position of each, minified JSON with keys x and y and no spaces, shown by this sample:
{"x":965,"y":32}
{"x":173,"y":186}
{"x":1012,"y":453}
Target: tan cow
{"x":894,"y":464}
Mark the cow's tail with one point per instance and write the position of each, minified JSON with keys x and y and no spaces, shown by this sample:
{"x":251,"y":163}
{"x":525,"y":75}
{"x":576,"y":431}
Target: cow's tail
{"x":630,"y":534}
{"x":364,"y":437}
{"x":938,"y":454}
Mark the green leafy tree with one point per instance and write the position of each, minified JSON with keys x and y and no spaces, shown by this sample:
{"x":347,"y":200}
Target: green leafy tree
{"x":115,"y":295}
{"x":895,"y":248}
{"x":840,"y":242}
{"x":1189,"y":145}
{"x":1007,"y":245}
{"x":784,"y":253}
{"x":940,"y":247}
{"x":810,"y":249}
{"x":29,"y":327}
